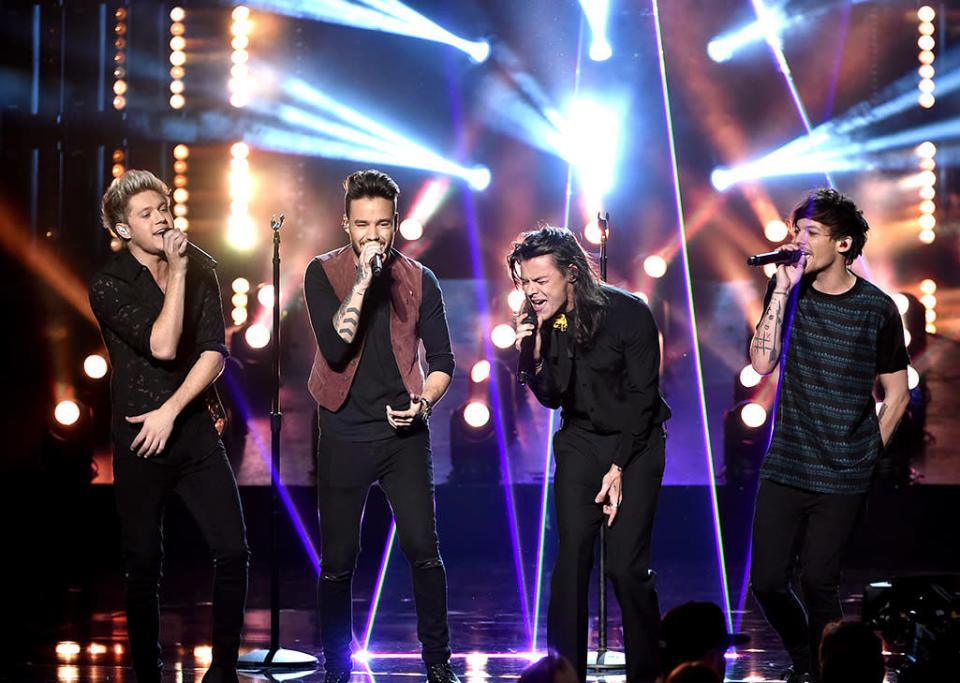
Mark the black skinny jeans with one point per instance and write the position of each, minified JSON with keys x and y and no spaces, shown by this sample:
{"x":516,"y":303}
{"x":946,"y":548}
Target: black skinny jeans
{"x":403,"y":467}
{"x":788,"y":524}
{"x":583,"y":458}
{"x":206,"y":485}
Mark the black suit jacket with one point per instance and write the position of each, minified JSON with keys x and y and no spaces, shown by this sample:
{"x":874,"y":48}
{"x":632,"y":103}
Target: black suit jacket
{"x":616,"y":375}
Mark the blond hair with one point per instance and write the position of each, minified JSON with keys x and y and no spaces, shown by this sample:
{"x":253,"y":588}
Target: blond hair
{"x":113,"y":206}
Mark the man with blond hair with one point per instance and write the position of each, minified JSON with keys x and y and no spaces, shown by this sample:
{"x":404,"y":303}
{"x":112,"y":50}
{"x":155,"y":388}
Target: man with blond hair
{"x":161,"y":319}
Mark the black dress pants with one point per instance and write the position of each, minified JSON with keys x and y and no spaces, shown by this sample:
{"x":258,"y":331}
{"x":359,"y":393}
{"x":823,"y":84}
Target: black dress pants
{"x":583,"y":458}
{"x":206,"y":485}
{"x":788,"y":524}
{"x":403,"y":467}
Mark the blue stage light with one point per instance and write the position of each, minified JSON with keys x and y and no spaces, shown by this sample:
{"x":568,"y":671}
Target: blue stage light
{"x":596,"y":13}
{"x":388,"y":16}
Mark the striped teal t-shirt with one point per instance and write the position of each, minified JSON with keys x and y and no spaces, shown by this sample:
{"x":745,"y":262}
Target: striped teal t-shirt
{"x":826,"y":437}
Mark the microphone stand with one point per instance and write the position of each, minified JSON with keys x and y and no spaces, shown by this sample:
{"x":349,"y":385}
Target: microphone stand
{"x":604,"y":660}
{"x":276,"y":657}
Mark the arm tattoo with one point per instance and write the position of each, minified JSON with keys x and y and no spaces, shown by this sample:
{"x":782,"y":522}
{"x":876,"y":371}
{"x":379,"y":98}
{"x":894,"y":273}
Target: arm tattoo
{"x":347,"y":318}
{"x":765,"y":341}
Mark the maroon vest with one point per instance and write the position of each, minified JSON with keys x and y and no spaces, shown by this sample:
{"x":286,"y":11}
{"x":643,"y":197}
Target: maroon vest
{"x":330,"y":387}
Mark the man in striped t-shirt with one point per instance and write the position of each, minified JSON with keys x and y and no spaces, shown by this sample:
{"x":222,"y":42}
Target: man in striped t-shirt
{"x":836,"y":334}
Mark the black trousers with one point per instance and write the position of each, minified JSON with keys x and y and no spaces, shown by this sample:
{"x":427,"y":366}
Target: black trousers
{"x":207,"y":487}
{"x":791,"y":524}
{"x":582,"y":459}
{"x":403,"y":467}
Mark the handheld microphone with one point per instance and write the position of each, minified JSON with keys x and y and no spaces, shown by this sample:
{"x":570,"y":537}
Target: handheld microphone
{"x":376,"y":264}
{"x":526,"y":367}
{"x":199,"y":255}
{"x":778,"y":257}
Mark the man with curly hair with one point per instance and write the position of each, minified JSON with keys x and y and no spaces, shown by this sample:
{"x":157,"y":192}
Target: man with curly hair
{"x":833,"y":334}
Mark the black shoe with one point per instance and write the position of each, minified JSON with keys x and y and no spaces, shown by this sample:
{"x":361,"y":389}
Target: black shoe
{"x":441,"y":673}
{"x":221,"y":674}
{"x":335,"y":676}
{"x":791,"y":676}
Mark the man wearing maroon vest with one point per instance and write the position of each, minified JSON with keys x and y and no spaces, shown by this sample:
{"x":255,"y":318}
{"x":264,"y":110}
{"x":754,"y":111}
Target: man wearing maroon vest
{"x":370,"y":307}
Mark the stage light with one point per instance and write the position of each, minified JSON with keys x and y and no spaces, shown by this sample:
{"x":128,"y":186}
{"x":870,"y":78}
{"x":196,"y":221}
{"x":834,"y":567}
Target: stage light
{"x":926,"y":13}
{"x":257,"y":336}
{"x":176,"y":87}
{"x":930,"y":328}
{"x":927,"y":164}
{"x":930,"y":316}
{"x":480,"y":372}
{"x":95,"y":366}
{"x":592,"y":232}
{"x":96,"y":649}
{"x":117,"y":170}
{"x":411,"y":229}
{"x":476,"y":660}
{"x":926,"y":100}
{"x":240,"y":13}
{"x":503,"y":336}
{"x":240,"y":285}
{"x":239,"y":300}
{"x":362,"y":655}
{"x":118,"y":648}
{"x":596,"y":12}
{"x":600,"y":51}
{"x":241,"y":28}
{"x":591,"y":141}
{"x":927,"y":177}
{"x":239,"y":316}
{"x":476,"y":414}
{"x":388,"y":16}
{"x":178,"y":43}
{"x":67,"y":413}
{"x":926,"y":150}
{"x":240,"y":42}
{"x":926,"y":42}
{"x":655,"y":266}
{"x":907,"y":337}
{"x":239,"y":56}
{"x":753,"y":415}
{"x":776,"y":231}
{"x":181,"y":223}
{"x":67,"y":649}
{"x":913,"y":377}
{"x":928,"y":286}
{"x":926,"y":57}
{"x":203,"y":654}
{"x":926,"y":71}
{"x":67,"y":674}
{"x":926,"y":28}
{"x":770,"y":269}
{"x":239,"y":150}
{"x":927,"y":206}
{"x":179,"y":210}
{"x":265,"y":296}
{"x":119,"y":87}
{"x":180,"y":195}
{"x":479,"y":178}
{"x":177,"y":14}
{"x":643,"y":297}
{"x":119,"y":102}
{"x":927,"y":236}
{"x":515,"y":299}
{"x":177,"y":101}
{"x":927,"y":192}
{"x":178,"y":58}
{"x":750,"y":377}
{"x":927,"y":221}
{"x":925,"y":85}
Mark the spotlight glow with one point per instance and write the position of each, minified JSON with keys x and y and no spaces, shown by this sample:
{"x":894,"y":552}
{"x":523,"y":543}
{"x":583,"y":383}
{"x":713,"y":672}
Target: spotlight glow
{"x":770,"y":269}
{"x":476,"y":414}
{"x":655,"y":266}
{"x":592,"y":232}
{"x":926,"y":13}
{"x":750,"y":377}
{"x":515,"y":299}
{"x":503,"y":336}
{"x":67,"y":649}
{"x":240,"y":285}
{"x":776,"y":231}
{"x":480,"y":372}
{"x":239,"y":316}
{"x":928,"y":301}
{"x":265,"y":296}
{"x":753,"y":415}
{"x":257,"y":336}
{"x":67,"y":413}
{"x":928,"y":286}
{"x":411,"y":229}
{"x":927,"y":236}
{"x":95,"y":366}
{"x":907,"y":337}
{"x":913,"y":377}
{"x":902,"y":302}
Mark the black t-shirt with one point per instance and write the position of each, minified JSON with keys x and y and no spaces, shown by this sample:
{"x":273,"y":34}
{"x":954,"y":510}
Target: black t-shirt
{"x":377,"y":382}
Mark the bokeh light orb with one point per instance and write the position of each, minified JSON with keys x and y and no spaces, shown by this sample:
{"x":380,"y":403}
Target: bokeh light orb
{"x":257,"y":336}
{"x":655,"y":266}
{"x":776,"y":231}
{"x":753,"y":415}
{"x":480,"y":372}
{"x":927,"y":236}
{"x":503,"y":336}
{"x":67,"y":412}
{"x":411,"y":229}
{"x":95,"y":366}
{"x":240,"y":285}
{"x":265,"y":296}
{"x":913,"y":377}
{"x":476,"y":414}
{"x":928,"y":286}
{"x":750,"y":377}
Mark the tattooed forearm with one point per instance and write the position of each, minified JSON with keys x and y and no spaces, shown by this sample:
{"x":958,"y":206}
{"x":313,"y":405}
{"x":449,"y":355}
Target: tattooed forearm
{"x":766,"y":342}
{"x":347,"y":317}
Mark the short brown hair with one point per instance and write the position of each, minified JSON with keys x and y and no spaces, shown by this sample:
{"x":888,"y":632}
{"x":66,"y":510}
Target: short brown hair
{"x":369,"y":184}
{"x":113,"y":206}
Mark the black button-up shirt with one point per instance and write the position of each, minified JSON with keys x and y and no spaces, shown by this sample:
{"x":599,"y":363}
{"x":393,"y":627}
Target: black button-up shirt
{"x":127,"y":301}
{"x":612,"y":384}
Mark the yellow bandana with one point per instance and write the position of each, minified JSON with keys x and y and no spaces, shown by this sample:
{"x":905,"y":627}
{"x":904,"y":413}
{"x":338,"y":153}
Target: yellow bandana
{"x":560,"y":323}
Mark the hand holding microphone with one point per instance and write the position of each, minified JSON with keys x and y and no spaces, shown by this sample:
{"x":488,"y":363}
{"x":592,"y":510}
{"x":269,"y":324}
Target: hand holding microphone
{"x":790,"y":260}
{"x":176,"y":247}
{"x":370,"y":263}
{"x":528,"y":342}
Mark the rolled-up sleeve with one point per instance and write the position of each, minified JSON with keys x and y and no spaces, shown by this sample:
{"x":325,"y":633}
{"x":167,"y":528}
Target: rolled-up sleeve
{"x":117,"y":309}
{"x":210,"y":329}
{"x":322,"y":304}
{"x":433,"y":327}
